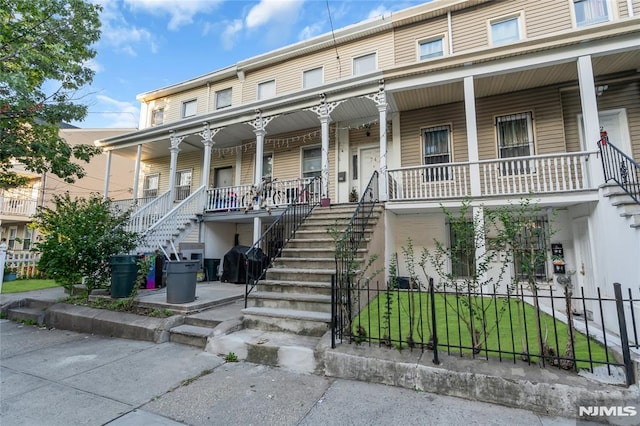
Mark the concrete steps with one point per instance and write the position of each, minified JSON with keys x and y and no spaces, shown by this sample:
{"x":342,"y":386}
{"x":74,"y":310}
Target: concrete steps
{"x":197,"y":328}
{"x":29,"y":311}
{"x":312,"y":287}
{"x":291,"y":301}
{"x":306,"y":323}
{"x":626,"y":205}
{"x":192,"y":335}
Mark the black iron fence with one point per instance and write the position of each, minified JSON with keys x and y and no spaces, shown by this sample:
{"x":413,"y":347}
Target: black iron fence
{"x":544,"y":327}
{"x":620,"y":168}
{"x":259,"y":257}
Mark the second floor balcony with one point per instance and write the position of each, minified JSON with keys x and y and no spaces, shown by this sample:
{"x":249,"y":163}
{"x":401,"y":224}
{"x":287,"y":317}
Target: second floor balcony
{"x":20,"y":207}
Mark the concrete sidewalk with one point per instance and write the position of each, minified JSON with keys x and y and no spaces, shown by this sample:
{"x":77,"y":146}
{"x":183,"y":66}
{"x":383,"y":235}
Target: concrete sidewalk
{"x":56,"y":377}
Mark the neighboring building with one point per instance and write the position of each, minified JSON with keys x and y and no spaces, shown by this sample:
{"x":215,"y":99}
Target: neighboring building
{"x":487,"y":100}
{"x":17,"y":205}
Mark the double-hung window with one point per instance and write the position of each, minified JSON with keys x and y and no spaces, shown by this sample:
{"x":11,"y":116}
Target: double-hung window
{"x":431,"y":48}
{"x":364,"y":64}
{"x":267,"y":166}
{"x":28,"y":237}
{"x":189,"y":108}
{"x":223,"y":98}
{"x":505,"y":30}
{"x":515,"y":139}
{"x":150,"y":186}
{"x":267,"y":90}
{"x":437,"y":150}
{"x":589,"y":12}
{"x":183,"y":184}
{"x":312,"y":78}
{"x":157,"y":117}
{"x":311,"y":162}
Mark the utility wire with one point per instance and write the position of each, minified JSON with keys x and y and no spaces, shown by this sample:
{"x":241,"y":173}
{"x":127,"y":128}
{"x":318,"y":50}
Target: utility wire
{"x":335,"y":45}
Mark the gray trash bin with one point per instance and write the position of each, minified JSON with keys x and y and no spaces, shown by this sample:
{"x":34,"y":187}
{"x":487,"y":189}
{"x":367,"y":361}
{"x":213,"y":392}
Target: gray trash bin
{"x":181,"y":281}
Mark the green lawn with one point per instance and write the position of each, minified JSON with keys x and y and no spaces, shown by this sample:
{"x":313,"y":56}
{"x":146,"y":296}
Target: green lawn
{"x":496,"y":333}
{"x":18,"y":286}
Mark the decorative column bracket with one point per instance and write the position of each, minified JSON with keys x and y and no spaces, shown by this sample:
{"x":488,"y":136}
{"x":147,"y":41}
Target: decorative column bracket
{"x":325,"y":108}
{"x":208,"y":133}
{"x":260,"y":122}
{"x":175,"y":140}
{"x":380,"y":97}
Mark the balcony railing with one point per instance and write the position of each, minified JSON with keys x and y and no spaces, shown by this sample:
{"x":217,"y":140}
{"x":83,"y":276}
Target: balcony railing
{"x":16,"y":206}
{"x":278,"y":193}
{"x":542,"y":174}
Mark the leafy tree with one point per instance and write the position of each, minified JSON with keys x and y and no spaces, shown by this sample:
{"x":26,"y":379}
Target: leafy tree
{"x":79,"y":236}
{"x":45,"y":49}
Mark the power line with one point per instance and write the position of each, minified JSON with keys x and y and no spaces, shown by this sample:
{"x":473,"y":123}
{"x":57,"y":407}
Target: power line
{"x":335,"y":45}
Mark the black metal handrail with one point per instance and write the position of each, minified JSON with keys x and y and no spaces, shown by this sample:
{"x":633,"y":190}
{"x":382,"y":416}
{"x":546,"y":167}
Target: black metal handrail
{"x":260,"y":256}
{"x":345,"y":256}
{"x":620,"y":168}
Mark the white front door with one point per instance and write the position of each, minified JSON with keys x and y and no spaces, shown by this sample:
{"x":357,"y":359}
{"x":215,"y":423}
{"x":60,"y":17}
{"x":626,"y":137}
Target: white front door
{"x":369,"y":163}
{"x":584,"y":271}
{"x":615,"y":123}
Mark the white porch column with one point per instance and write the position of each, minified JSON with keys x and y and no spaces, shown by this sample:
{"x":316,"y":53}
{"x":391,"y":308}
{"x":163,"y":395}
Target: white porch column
{"x":136,"y":175}
{"x":590,"y":119}
{"x":174,"y":149}
{"x":259,"y":129}
{"x":325,"y":119}
{"x":107,"y":173}
{"x":472,"y":135}
{"x":207,"y":140}
{"x":382,"y":109}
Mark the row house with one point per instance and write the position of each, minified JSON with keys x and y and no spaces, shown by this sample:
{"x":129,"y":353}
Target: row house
{"x":452,"y":100}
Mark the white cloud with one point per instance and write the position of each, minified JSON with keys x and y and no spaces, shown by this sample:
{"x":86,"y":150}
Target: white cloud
{"x":311,"y":31}
{"x":231,"y":33}
{"x":94,"y":65}
{"x":378,"y":11}
{"x":181,"y":12}
{"x":268,"y":11}
{"x":115,"y":113}
{"x":119,"y":34}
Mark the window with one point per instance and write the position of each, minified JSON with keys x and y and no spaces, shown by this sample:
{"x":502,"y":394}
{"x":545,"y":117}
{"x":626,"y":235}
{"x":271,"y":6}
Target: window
{"x":505,"y":30}
{"x":431,"y":48}
{"x":223,"y":98}
{"x":436,"y":151}
{"x":267,"y":89}
{"x":589,"y":12}
{"x":312,"y":78}
{"x":157,"y":117}
{"x":28,"y":236}
{"x":463,"y":249}
{"x":530,"y":250}
{"x":515,"y":139}
{"x":311,"y":162}
{"x":364,"y":64}
{"x":267,"y":166}
{"x":150,"y":186}
{"x":183,"y":184}
{"x":11,"y":241}
{"x":189,"y":108}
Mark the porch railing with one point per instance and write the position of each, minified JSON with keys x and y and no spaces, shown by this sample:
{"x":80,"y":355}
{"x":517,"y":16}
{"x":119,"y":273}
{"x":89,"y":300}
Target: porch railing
{"x":346,"y":249}
{"x":17,"y":206}
{"x":539,"y":174}
{"x":620,"y":168}
{"x":131,"y":204}
{"x":278,"y":193}
{"x":269,"y":246}
{"x":167,"y":231}
{"x":145,"y":217}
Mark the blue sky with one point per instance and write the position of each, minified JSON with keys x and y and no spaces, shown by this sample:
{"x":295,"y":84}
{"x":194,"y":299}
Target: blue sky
{"x":148,"y":44}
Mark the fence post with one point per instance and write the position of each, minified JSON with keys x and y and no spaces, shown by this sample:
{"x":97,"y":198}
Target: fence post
{"x":3,"y":258}
{"x":624,"y":339}
{"x":436,"y":361}
{"x":333,"y":311}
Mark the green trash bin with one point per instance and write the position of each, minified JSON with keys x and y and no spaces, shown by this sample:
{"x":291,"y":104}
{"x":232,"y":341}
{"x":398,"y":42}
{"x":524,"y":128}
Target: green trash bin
{"x":181,"y":281}
{"x":124,"y":271}
{"x":211,"y":266}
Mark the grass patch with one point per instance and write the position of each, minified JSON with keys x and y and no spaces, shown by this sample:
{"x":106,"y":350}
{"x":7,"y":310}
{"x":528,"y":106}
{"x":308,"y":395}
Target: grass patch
{"x":497,"y":333}
{"x":19,"y":286}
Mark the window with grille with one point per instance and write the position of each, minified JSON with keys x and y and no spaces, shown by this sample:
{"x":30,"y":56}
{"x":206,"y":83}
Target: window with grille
{"x":530,"y":250}
{"x":183,"y":184}
{"x":436,"y":142}
{"x":515,"y":139}
{"x":589,"y":12}
{"x":223,"y":98}
{"x":150,"y":186}
{"x":432,"y":48}
{"x":463,"y":250}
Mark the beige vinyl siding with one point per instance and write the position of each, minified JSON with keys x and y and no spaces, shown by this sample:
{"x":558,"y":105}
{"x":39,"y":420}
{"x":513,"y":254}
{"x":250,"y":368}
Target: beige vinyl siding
{"x":571,"y":108}
{"x":411,"y":123}
{"x":545,"y":105}
{"x":173,"y":109}
{"x":623,"y":10}
{"x":192,"y":160}
{"x":288,"y":75}
{"x":230,"y":83}
{"x":470,"y":26}
{"x":406,"y":38}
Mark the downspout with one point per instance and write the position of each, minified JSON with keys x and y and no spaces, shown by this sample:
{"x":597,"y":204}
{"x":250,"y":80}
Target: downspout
{"x":450,"y":29}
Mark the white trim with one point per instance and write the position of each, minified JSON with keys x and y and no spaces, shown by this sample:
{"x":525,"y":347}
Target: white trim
{"x":184,"y":105}
{"x":424,"y":129}
{"x":301,"y":156}
{"x":611,"y":14}
{"x":215,"y":98}
{"x":518,"y":16}
{"x":442,"y":37}
{"x":273,"y":80}
{"x":321,"y":68}
{"x":621,"y":113}
{"x":353,"y":59}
